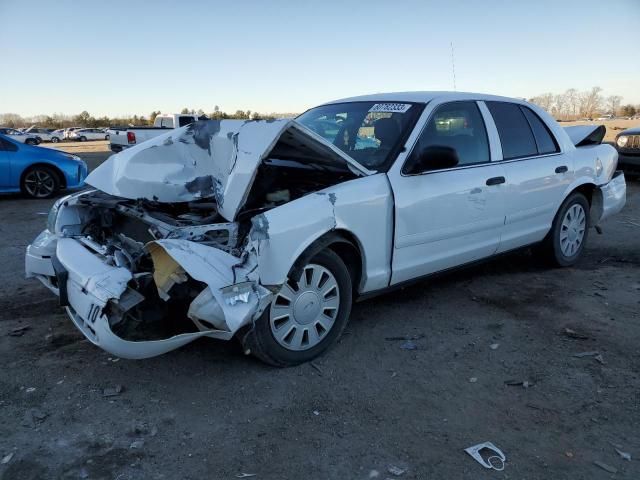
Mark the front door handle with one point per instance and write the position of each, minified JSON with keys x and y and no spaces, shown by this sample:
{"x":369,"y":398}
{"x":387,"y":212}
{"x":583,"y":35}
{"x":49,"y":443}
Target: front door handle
{"x":495,"y":181}
{"x":562,"y":169}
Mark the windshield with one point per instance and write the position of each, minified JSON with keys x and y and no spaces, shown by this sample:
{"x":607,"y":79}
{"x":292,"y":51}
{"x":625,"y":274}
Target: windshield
{"x":371,"y":133}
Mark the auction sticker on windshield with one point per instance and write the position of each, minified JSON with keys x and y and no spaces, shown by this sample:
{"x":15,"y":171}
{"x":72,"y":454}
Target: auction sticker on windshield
{"x":390,"y":107}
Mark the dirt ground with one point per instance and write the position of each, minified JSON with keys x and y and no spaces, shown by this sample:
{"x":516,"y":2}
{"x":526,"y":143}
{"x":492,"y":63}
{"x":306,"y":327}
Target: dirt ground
{"x":206,"y":411}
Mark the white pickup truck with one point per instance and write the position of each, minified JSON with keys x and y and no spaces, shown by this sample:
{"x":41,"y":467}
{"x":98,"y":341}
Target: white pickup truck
{"x":126,"y":137}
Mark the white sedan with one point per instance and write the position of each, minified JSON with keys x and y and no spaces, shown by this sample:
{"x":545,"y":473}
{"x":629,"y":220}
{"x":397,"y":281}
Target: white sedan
{"x":20,"y":136}
{"x":84,"y":134}
{"x":268,"y":230}
{"x":45,"y":135}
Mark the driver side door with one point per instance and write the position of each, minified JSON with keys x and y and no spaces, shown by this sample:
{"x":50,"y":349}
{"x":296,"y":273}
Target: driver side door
{"x":447,"y":215}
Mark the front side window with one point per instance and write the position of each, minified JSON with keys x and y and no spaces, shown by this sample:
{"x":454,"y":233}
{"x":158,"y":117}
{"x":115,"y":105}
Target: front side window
{"x":372,"y":133}
{"x":455,"y":135}
{"x":516,"y":136}
{"x":7,"y":146}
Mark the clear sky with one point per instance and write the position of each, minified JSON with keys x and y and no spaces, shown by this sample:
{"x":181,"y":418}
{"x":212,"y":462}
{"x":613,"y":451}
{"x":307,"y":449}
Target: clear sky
{"x":125,"y":57}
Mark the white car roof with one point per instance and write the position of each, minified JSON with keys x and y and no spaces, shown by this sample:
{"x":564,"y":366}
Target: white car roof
{"x":424,"y":97}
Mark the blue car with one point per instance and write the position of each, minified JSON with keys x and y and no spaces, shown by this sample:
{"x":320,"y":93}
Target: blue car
{"x":38,"y":172}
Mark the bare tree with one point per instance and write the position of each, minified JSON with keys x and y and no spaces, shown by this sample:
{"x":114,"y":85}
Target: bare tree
{"x":571,"y":97}
{"x":613,"y":104}
{"x":544,"y":101}
{"x":560,"y":102}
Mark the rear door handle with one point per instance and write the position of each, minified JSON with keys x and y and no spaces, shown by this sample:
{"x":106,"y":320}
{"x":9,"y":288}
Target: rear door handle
{"x":562,"y":169}
{"x":495,"y":181}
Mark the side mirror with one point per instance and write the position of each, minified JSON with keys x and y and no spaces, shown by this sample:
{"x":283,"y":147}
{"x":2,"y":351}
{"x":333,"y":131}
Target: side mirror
{"x":434,"y":157}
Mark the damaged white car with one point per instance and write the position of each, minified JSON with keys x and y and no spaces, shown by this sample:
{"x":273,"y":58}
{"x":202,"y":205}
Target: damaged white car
{"x":268,"y":230}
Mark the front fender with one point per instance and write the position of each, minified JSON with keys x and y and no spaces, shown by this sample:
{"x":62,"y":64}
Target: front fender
{"x":363,"y":207}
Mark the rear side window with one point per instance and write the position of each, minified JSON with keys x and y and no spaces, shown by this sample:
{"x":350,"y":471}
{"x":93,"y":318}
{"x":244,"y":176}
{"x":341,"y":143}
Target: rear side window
{"x":544,"y":140}
{"x":515,"y":133}
{"x":166,"y":122}
{"x":7,"y":146}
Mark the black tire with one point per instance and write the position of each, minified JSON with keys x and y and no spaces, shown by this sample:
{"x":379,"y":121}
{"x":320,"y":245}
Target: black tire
{"x":106,"y":137}
{"x":551,"y":246}
{"x":49,"y":178}
{"x":83,"y":139}
{"x":31,"y":141}
{"x":259,"y":339}
{"x":55,"y":139}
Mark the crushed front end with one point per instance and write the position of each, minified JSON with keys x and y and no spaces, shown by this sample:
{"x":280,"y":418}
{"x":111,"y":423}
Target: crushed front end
{"x":140,"y":278}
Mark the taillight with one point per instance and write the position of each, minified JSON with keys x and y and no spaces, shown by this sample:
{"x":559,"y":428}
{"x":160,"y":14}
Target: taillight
{"x":131,"y":138}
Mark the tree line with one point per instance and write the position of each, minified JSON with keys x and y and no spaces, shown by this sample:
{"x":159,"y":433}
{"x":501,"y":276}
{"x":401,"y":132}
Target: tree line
{"x":574,"y":104}
{"x":85,"y":119}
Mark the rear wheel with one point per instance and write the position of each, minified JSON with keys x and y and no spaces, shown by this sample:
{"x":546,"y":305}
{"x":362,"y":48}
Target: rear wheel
{"x":306,"y":316}
{"x":55,"y":139}
{"x":40,"y":182}
{"x":31,"y":141}
{"x":566,"y":240}
{"x":83,"y":139}
{"x":106,"y":137}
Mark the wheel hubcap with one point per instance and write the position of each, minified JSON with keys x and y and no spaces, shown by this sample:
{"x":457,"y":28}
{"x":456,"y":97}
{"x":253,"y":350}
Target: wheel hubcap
{"x":303,"y":312}
{"x":572,"y":230}
{"x":39,"y":183}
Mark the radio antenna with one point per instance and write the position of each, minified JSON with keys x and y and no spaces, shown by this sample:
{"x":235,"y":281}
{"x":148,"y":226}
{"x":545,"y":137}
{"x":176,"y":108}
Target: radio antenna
{"x":453,"y":67}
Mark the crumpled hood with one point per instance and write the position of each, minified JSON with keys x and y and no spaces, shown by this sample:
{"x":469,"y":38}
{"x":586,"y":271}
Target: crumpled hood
{"x":206,"y":159}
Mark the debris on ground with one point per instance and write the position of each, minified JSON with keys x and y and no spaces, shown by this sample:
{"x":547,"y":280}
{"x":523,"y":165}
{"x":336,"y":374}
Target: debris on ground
{"x":6,"y":459}
{"x":519,"y":383}
{"x":246,"y":475}
{"x":473,"y":379}
{"x":406,"y":337}
{"x":32,"y":417}
{"x":396,"y":471}
{"x":568,"y":454}
{"x":316,"y":368}
{"x":409,"y":345}
{"x":595,"y":354}
{"x":496,"y":462}
{"x":618,"y":448}
{"x":568,"y":332}
{"x":137,"y":444}
{"x":605,"y":467}
{"x":19,"y":331}
{"x":112,"y":391}
{"x":30,"y":389}
{"x":494,"y":346}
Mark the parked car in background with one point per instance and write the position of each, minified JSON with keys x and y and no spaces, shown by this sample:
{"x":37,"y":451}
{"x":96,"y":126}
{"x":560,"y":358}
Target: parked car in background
{"x":125,"y":137}
{"x":37,"y":172}
{"x":628,"y":145}
{"x":44,"y":134}
{"x":68,"y":131}
{"x":267,"y":230}
{"x":84,"y":134}
{"x":58,"y":135}
{"x":19,"y":136}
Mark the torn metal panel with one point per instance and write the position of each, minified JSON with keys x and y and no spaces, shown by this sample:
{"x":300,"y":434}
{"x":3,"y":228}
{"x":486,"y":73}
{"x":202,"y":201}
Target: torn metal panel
{"x":230,"y":301}
{"x":362,"y":207}
{"x":207,"y":159}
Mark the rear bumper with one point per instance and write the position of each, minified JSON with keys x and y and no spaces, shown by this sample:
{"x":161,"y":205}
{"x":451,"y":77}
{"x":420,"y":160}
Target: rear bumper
{"x":118,"y":148}
{"x":614,"y":195}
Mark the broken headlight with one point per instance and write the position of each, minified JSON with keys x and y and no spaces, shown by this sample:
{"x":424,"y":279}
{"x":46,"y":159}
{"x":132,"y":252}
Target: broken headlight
{"x":53,"y":214}
{"x":238,"y":293}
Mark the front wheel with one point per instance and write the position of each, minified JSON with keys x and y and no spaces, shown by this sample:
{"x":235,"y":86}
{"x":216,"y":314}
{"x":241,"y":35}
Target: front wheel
{"x":106,"y":137}
{"x":55,"y":140}
{"x":31,"y":141}
{"x":566,"y":240}
{"x":83,"y":139}
{"x":306,"y":316}
{"x":40,"y":182}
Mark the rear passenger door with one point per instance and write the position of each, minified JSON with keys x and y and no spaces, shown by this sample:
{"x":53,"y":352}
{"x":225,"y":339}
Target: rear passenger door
{"x":537,"y":173}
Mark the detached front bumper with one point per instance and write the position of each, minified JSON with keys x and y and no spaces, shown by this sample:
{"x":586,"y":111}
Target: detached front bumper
{"x":89,"y":288}
{"x":613,"y":196}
